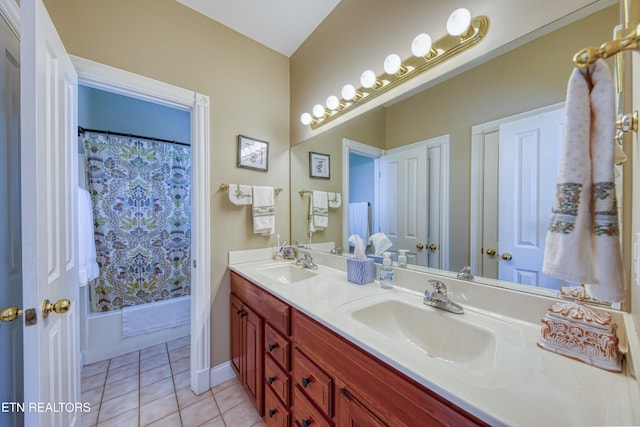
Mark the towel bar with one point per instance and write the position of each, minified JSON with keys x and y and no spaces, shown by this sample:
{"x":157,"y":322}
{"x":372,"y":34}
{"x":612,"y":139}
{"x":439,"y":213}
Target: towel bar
{"x":225,"y":187}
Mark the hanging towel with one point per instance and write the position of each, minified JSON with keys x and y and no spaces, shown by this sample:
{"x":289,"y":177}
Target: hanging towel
{"x":320,"y":210}
{"x":582,"y":242}
{"x":335,"y":200}
{"x":359,"y":220}
{"x":264,"y":210}
{"x":240,"y":195}
{"x":88,"y":267}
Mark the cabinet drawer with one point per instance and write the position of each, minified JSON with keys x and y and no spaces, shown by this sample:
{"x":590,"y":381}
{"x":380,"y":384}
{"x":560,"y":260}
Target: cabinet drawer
{"x":266,"y":305}
{"x":277,"y":380}
{"x":278,"y":346}
{"x":304,"y":413}
{"x":313,"y":381}
{"x":275,"y":415}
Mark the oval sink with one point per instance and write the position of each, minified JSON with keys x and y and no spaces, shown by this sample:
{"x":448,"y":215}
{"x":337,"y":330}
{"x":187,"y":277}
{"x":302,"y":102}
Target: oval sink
{"x":286,"y":273}
{"x":474,"y":344}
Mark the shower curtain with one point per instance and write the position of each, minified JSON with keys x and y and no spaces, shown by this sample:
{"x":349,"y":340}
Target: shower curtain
{"x":141,"y":196}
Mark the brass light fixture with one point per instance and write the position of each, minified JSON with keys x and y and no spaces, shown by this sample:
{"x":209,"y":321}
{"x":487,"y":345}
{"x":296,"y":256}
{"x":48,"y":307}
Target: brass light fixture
{"x":464,"y":33}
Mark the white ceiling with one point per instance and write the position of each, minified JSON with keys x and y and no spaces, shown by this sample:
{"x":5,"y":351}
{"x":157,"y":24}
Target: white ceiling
{"x":281,"y":25}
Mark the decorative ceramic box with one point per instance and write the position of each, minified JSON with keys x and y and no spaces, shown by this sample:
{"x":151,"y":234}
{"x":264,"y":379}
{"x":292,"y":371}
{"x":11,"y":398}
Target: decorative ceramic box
{"x":583,"y":333}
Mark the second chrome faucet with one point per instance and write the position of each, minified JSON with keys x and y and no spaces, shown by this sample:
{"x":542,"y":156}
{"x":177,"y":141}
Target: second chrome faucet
{"x":437,"y":297}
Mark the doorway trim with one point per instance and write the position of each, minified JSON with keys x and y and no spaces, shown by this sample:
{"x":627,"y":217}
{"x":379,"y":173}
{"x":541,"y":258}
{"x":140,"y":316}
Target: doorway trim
{"x":104,"y":77}
{"x":349,"y":145}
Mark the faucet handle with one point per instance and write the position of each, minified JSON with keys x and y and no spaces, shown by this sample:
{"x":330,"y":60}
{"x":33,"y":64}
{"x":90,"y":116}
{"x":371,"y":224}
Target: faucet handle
{"x":438,"y":286}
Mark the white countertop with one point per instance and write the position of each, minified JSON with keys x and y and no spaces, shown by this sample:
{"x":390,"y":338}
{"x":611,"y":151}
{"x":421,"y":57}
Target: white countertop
{"x":536,"y":387}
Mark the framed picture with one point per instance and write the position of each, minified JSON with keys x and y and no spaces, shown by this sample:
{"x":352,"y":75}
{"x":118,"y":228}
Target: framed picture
{"x":253,"y":153}
{"x":319,"y":165}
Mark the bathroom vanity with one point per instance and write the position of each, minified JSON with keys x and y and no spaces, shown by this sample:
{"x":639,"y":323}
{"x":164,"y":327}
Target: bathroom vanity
{"x":312,"y":348}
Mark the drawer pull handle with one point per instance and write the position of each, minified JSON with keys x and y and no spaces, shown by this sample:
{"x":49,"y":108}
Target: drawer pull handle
{"x":272,"y":347}
{"x":272,"y":412}
{"x":271,"y":380}
{"x":305,"y":381}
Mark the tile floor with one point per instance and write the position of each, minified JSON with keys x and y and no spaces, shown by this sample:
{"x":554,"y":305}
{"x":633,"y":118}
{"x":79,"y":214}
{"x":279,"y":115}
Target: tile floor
{"x":150,"y":387}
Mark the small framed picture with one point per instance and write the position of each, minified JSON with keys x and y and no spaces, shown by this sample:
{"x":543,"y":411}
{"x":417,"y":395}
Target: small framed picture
{"x":253,"y":153}
{"x":319,"y":165}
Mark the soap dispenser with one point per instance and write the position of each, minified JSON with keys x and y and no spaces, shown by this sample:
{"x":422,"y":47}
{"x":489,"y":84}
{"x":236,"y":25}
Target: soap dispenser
{"x":386,"y":271}
{"x":402,"y":258}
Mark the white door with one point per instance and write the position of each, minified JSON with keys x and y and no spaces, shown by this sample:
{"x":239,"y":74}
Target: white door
{"x":11,"y":329}
{"x":403,"y":201}
{"x":529,"y":153}
{"x":49,"y":191}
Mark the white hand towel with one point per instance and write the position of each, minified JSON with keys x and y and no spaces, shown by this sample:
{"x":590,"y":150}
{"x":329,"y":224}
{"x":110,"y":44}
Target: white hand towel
{"x":240,"y":195}
{"x":582,"y":242}
{"x":88,"y":267}
{"x":335,"y":200}
{"x":264,"y":210}
{"x":359,"y":220}
{"x":320,"y":209}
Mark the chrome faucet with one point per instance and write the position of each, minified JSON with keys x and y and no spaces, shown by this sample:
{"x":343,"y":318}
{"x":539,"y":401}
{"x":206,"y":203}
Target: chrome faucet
{"x":465,"y":273}
{"x":306,"y":260}
{"x":437,"y":297}
{"x":337,"y":250}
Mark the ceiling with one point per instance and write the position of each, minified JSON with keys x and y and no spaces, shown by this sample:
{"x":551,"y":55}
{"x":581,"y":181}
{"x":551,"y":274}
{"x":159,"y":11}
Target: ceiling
{"x":282,"y":25}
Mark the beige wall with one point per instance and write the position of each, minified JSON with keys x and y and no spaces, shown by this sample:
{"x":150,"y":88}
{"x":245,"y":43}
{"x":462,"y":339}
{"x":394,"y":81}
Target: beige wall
{"x":248,"y":87}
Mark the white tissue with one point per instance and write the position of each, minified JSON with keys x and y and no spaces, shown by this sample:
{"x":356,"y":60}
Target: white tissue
{"x":380,"y":242}
{"x":358,"y":244}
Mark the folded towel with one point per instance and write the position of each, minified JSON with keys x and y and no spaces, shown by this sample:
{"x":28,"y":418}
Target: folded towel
{"x":240,"y":194}
{"x":380,"y":242}
{"x":320,"y":209}
{"x":582,"y":242}
{"x":264,"y":210}
{"x":88,"y":267}
{"x":359,"y":220}
{"x":335,"y":200}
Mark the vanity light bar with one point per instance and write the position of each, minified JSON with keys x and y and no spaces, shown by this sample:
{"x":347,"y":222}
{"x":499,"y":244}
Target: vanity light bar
{"x":443,"y":49}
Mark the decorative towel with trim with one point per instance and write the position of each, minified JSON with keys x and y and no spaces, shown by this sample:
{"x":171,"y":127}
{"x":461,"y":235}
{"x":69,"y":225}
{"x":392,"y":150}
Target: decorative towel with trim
{"x":240,"y":195}
{"x":335,"y":200}
{"x":264,"y":210}
{"x":319,"y":209}
{"x":583,"y":242}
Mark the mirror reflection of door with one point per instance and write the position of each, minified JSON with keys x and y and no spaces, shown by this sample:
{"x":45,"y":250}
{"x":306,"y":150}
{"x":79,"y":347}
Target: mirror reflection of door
{"x":414,"y":201}
{"x":11,"y":387}
{"x":520,"y":163}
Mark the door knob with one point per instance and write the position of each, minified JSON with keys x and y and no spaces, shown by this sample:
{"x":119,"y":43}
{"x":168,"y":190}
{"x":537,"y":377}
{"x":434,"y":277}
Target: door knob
{"x":420,"y":246}
{"x":432,"y":247}
{"x":60,"y":307}
{"x":10,"y":314}
{"x":491,"y":252}
{"x":506,"y":256}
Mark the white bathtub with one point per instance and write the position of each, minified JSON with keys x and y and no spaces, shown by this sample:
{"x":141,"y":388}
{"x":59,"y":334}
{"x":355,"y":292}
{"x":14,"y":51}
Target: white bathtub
{"x":101,"y":333}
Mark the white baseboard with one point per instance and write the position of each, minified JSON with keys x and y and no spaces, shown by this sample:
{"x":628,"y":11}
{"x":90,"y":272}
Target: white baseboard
{"x":221,"y":373}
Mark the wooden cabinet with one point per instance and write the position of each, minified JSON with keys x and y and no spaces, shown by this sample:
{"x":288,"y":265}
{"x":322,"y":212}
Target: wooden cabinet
{"x":246,"y":350}
{"x":303,"y":374}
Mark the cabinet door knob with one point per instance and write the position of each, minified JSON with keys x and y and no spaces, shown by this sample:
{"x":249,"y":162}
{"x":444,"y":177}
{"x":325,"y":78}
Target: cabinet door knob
{"x":305,"y":381}
{"x":272,"y":412}
{"x":271,"y":380}
{"x":306,"y":423}
{"x":272,"y":347}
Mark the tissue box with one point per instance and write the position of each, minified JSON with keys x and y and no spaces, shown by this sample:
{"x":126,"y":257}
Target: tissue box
{"x":360,"y":271}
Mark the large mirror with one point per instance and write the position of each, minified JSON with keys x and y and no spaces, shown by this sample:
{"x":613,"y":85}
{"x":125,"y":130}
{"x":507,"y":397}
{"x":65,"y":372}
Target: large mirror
{"x":454,"y":124}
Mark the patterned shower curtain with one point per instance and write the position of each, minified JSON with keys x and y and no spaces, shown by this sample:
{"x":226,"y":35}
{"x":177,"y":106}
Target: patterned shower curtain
{"x":141,"y":195}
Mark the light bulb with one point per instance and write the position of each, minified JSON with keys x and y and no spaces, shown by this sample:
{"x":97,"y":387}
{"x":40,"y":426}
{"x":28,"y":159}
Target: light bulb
{"x":421,"y":45}
{"x":306,"y":119}
{"x":333,"y":102}
{"x":368,"y":79}
{"x":318,"y":110}
{"x":392,"y":64}
{"x":458,"y":22}
{"x":348,"y":92}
